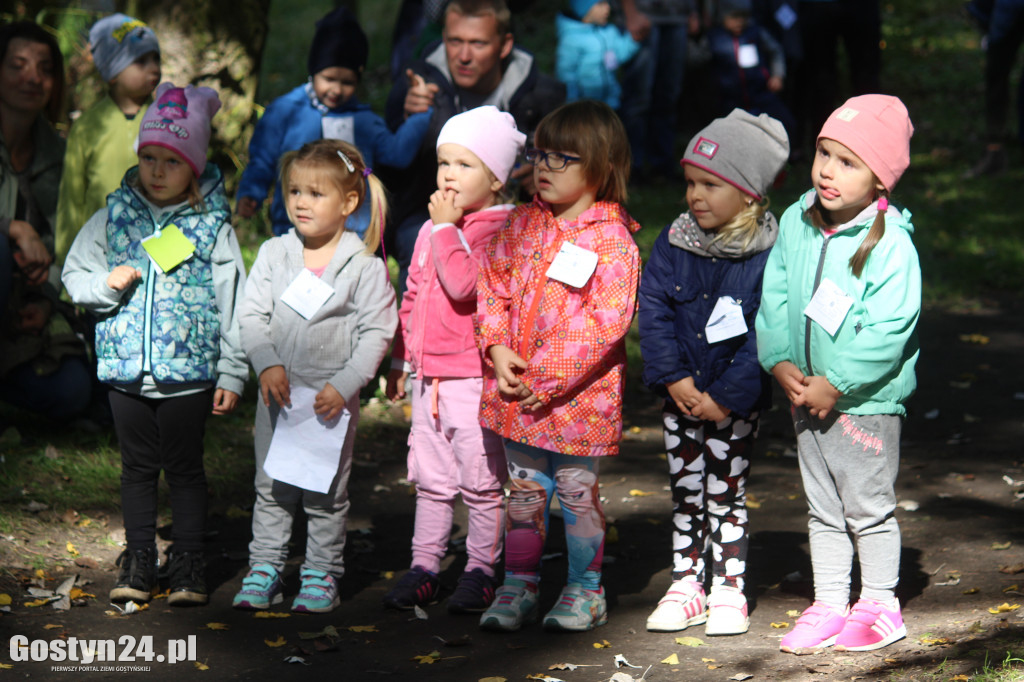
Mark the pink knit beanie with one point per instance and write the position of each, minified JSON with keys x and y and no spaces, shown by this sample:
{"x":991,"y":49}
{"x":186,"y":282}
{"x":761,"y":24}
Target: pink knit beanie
{"x":876,"y":128}
{"x":489,"y":133}
{"x":179,"y":120}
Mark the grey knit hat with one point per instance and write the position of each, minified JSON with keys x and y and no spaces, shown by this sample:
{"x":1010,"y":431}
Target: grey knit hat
{"x":746,"y":151}
{"x":117,"y":41}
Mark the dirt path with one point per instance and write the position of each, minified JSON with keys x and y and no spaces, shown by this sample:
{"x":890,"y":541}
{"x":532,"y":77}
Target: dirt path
{"x":953,"y":469}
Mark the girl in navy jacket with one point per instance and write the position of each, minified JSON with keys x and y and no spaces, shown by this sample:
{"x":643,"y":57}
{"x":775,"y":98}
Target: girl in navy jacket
{"x":698,"y":299}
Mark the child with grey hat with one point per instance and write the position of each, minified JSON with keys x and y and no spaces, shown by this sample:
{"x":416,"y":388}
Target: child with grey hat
{"x":101,"y":144}
{"x":699,"y":295}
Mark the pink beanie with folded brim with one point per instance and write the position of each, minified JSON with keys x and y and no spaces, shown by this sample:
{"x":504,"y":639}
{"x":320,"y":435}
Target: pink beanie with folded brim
{"x":179,"y":120}
{"x":877,"y":129}
{"x":489,"y":133}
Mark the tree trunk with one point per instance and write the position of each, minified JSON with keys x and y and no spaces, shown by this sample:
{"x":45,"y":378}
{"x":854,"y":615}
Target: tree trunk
{"x":217,"y":44}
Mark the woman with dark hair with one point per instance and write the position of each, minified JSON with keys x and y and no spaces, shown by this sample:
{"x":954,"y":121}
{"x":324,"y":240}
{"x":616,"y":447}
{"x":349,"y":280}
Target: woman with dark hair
{"x":42,"y":367}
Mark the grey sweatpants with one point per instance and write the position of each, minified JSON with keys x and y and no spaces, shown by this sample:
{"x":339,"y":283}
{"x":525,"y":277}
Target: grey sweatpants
{"x":849,"y":464}
{"x":277,"y":502}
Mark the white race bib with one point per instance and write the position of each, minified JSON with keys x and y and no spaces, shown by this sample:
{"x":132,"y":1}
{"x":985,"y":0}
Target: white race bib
{"x":726,"y":320}
{"x":829,"y":306}
{"x":339,"y":128}
{"x":748,"y":56}
{"x":306,"y":294}
{"x":573,"y":265}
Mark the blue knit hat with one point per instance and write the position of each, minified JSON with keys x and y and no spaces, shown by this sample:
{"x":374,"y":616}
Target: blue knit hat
{"x":581,"y":7}
{"x":117,"y":41}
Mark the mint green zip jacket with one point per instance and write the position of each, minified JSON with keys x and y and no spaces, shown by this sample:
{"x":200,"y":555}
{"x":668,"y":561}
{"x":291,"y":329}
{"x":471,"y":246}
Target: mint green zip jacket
{"x":871,"y":357}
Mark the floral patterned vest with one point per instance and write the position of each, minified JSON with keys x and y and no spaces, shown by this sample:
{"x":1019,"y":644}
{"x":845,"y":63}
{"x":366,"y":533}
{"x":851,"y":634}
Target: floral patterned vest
{"x":169,"y":324}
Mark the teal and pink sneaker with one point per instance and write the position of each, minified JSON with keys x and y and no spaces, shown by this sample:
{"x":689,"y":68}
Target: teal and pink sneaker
{"x":871,"y":625}
{"x":261,"y":588}
{"x":318,"y":592}
{"x":816,"y":628}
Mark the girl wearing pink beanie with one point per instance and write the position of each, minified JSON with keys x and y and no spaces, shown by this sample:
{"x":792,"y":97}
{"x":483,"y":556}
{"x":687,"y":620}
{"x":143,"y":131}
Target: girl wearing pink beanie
{"x":839,"y":307}
{"x":449,"y":452}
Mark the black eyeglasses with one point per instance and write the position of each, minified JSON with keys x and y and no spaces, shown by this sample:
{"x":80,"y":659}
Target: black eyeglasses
{"x":554,"y":160}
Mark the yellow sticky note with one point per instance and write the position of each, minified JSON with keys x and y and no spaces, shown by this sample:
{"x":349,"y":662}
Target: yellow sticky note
{"x":168,"y":247}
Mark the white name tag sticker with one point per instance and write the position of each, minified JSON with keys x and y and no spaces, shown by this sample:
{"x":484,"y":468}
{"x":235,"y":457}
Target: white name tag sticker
{"x":726,"y":320}
{"x":829,"y":306}
{"x":306,"y":294}
{"x":573,"y":265}
{"x":339,"y":128}
{"x":747,"y":56}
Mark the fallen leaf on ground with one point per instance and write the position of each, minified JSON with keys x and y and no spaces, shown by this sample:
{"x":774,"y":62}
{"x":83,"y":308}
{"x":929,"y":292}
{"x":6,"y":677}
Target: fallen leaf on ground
{"x":620,"y":661}
{"x":295,"y":659}
{"x":780,"y":626}
{"x":5,"y":666}
{"x":52,"y":626}
{"x":216,"y":626}
{"x":270,"y":614}
{"x":959,"y":678}
{"x":1011,"y":588}
{"x":671,"y":660}
{"x":639,"y":493}
{"x":1004,"y":608}
{"x":935,"y":641}
{"x":689,"y":641}
{"x":972,"y":590}
{"x":274,"y":643}
{"x":71,"y":550}
{"x":38,"y":602}
{"x":793,"y":613}
{"x":363,"y":628}
{"x":1010,"y":570}
{"x":427,"y":658}
{"x":621,"y":677}
{"x":979,"y":339}
{"x":420,"y":613}
{"x":543,"y":678}
{"x":5,"y":599}
{"x":999,"y":546}
{"x":572,"y":666}
{"x":78,"y":593}
{"x":739,"y":677}
{"x":603,"y":644}
{"x":201,"y":666}
{"x":329,"y":631}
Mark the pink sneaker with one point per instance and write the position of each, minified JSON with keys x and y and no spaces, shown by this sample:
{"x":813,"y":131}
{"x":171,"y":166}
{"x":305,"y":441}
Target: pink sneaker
{"x":871,"y":626}
{"x":816,"y":628}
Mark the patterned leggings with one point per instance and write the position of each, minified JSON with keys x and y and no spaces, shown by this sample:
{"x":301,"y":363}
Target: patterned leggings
{"x":534,"y":476}
{"x":708,"y":465}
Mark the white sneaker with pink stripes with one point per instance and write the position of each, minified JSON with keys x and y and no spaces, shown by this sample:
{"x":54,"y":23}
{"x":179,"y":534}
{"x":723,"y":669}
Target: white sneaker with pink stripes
{"x":871,"y":625}
{"x":682,"y":606}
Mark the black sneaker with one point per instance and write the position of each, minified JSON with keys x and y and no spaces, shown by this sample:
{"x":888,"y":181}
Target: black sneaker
{"x":418,"y":587}
{"x":473,"y":594}
{"x":186,"y":572}
{"x":136,"y":579}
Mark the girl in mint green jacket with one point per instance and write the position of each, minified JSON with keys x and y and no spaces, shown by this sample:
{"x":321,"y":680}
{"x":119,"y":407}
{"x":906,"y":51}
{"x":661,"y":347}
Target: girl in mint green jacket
{"x":836,"y":327}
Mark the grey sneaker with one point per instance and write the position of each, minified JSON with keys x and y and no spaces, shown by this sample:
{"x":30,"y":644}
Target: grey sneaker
{"x":577,"y":610}
{"x":515,"y":605}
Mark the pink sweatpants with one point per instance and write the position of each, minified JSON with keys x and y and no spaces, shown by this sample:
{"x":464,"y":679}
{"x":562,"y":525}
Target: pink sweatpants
{"x":451,"y":454}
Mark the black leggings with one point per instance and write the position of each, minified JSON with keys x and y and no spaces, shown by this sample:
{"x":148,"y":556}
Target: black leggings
{"x":155,"y":434}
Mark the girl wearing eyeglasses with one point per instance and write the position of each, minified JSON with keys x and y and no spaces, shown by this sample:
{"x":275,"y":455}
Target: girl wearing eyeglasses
{"x":556,"y":296}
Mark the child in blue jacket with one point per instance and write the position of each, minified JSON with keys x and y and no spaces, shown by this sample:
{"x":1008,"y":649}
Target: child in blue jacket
{"x":590,"y":51}
{"x":699,"y":296}
{"x":325,"y":107}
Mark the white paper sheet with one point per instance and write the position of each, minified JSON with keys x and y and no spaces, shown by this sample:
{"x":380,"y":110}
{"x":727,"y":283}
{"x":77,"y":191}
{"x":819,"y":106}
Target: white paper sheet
{"x":573,"y":265}
{"x":305,"y":450}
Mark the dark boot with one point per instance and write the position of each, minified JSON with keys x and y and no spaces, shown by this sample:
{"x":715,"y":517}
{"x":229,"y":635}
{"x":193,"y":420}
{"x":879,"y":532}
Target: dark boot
{"x":136,"y":579}
{"x":186,"y":572}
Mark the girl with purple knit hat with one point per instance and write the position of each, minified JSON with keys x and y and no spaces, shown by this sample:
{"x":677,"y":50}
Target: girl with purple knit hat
{"x":161,"y":269}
